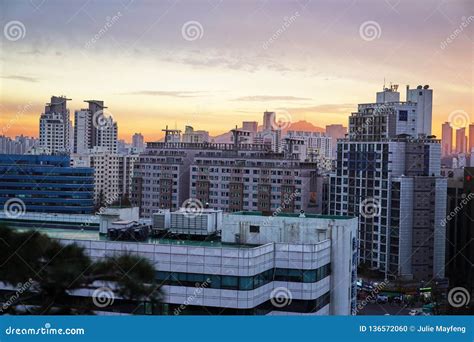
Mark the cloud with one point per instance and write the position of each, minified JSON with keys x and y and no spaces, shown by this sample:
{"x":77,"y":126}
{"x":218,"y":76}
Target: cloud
{"x":168,"y":93}
{"x":20,"y":78}
{"x":265,"y":98}
{"x":335,"y":108}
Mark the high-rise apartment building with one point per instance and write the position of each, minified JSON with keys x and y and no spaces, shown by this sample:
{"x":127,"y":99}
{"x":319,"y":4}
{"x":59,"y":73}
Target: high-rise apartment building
{"x":460,"y":233}
{"x":54,"y":126}
{"x":93,"y":128}
{"x":461,"y":140}
{"x":335,"y":132}
{"x":318,"y":144}
{"x":230,"y":177}
{"x":388,"y":174}
{"x":19,"y":145}
{"x":446,"y":139}
{"x":471,"y":138}
{"x":138,"y":142}
{"x":268,"y":120}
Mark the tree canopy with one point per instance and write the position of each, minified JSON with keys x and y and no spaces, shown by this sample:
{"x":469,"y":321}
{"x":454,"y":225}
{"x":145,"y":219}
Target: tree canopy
{"x":46,"y":276}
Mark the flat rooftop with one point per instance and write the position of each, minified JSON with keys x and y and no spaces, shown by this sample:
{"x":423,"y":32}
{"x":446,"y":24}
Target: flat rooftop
{"x":327,"y":217}
{"x":88,"y":235}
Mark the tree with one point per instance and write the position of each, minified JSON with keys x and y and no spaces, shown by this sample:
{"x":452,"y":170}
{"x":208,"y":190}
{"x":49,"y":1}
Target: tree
{"x":53,"y":272}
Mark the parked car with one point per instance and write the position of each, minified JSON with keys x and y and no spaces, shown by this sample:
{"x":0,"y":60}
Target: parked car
{"x":381,"y":299}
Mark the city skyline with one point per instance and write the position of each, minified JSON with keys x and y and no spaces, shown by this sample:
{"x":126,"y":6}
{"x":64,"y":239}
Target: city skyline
{"x":154,"y":69}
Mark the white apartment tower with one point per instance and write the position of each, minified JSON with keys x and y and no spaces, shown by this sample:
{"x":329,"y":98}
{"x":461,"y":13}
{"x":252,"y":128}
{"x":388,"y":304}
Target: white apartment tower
{"x":94,"y":128}
{"x":54,"y":127}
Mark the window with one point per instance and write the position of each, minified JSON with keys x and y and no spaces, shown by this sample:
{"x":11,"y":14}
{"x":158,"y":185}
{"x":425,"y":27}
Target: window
{"x":254,"y":229}
{"x":402,"y":115}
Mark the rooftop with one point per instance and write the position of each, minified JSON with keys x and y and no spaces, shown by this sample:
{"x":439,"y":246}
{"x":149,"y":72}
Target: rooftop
{"x":87,"y":235}
{"x":306,"y":215}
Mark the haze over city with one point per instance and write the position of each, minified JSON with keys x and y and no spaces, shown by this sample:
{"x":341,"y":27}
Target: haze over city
{"x":307,"y":58}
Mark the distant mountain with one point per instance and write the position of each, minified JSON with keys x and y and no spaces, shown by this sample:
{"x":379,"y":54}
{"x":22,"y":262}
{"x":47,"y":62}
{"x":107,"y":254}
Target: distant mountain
{"x":304,"y":126}
{"x":295,"y":126}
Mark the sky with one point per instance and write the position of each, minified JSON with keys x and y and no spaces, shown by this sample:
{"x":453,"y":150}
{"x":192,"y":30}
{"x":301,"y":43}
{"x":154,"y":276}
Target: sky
{"x":215,"y":63}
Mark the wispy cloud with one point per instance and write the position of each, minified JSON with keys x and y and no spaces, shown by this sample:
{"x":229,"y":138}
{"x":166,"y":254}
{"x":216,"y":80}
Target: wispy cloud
{"x":266,"y":98}
{"x":20,"y":78}
{"x":169,"y":93}
{"x":328,"y":108}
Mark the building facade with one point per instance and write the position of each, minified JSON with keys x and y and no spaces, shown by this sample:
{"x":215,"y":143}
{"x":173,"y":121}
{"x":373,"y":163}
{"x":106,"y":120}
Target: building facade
{"x":54,"y":126}
{"x":280,"y":265}
{"x":446,"y":139}
{"x":459,"y":224}
{"x":45,"y":184}
{"x":388,"y":174}
{"x":19,"y":145}
{"x":461,"y":140}
{"x":95,"y":128}
{"x":229,"y":177}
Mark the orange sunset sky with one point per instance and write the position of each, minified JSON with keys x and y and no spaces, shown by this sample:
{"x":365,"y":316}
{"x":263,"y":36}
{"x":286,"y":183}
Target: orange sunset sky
{"x":150,"y":74}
